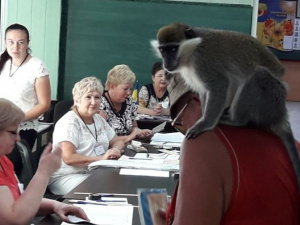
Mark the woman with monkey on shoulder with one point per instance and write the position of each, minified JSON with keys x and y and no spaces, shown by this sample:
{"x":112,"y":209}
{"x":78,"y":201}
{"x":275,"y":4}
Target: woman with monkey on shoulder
{"x":229,"y":175}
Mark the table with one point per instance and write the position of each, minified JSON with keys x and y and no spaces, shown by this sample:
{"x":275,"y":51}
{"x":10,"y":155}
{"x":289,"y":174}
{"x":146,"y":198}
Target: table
{"x":108,"y":180}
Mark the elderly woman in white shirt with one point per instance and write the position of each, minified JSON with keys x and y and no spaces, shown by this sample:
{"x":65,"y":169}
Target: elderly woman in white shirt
{"x":84,"y":137}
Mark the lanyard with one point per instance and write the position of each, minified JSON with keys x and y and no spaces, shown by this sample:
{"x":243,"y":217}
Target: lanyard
{"x":88,"y":127}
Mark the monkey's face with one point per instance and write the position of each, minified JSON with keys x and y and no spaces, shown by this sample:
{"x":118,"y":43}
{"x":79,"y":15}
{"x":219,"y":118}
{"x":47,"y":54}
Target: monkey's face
{"x":168,"y":46}
{"x":169,"y":55}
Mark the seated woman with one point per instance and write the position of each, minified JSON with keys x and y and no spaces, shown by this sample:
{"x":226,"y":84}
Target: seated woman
{"x":84,"y":137}
{"x":117,"y":106}
{"x":230,"y":175}
{"x":17,"y":207}
{"x":154,"y":98}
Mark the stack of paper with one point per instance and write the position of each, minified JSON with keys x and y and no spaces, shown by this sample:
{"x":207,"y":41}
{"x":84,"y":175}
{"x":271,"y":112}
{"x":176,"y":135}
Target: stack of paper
{"x":175,"y":138}
{"x":167,"y":164}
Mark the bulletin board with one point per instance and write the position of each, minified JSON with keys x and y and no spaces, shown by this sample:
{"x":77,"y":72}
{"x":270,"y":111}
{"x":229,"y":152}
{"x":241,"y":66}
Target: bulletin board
{"x":278,"y":27}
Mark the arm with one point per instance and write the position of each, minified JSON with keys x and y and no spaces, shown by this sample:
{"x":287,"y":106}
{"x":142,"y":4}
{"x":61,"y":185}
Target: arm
{"x":136,"y":133}
{"x":117,"y":142}
{"x":71,"y":158}
{"x":49,"y":206}
{"x":144,"y":110}
{"x":18,"y":212}
{"x":42,"y":87}
{"x":205,"y":181}
{"x":157,"y":111}
{"x":143,"y":102}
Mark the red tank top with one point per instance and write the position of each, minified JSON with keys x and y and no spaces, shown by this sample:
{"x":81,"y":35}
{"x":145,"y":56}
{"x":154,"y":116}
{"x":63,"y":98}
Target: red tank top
{"x":7,"y":177}
{"x":265,"y":190}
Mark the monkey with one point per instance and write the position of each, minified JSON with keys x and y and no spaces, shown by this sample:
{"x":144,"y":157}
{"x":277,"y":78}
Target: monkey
{"x":238,"y":79}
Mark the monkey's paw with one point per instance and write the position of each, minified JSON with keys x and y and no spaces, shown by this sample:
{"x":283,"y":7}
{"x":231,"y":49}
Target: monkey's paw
{"x":193,"y":132}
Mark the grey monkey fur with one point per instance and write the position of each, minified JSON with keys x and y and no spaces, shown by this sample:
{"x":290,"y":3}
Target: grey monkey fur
{"x":238,"y":79}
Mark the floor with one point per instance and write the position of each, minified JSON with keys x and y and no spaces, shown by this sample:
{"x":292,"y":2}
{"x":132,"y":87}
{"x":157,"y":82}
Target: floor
{"x":294,"y":115}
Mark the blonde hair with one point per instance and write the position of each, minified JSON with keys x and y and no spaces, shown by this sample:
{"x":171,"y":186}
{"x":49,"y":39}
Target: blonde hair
{"x":120,"y":74}
{"x":10,"y":114}
{"x":86,"y":85}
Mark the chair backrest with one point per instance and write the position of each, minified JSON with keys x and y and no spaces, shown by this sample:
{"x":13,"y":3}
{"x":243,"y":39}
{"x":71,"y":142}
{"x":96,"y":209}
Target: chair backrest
{"x":48,"y":115}
{"x":27,"y":170}
{"x":61,"y":108}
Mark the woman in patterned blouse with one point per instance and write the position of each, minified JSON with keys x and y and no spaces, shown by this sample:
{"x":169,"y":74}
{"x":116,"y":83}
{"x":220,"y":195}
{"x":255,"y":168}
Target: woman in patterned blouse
{"x":117,"y":105}
{"x":154,"y":97}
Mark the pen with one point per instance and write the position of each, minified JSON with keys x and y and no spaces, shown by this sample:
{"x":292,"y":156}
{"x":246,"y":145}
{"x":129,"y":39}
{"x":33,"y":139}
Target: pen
{"x":140,"y":158}
{"x":98,"y":196}
{"x":86,"y":202}
{"x":100,"y":200}
{"x":112,"y":194}
{"x":97,"y":203}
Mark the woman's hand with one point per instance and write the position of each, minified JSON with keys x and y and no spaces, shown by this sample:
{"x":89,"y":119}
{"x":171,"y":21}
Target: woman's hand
{"x":50,"y":161}
{"x":63,"y":210}
{"x":112,"y":153}
{"x":144,"y":133}
{"x":157,"y":110}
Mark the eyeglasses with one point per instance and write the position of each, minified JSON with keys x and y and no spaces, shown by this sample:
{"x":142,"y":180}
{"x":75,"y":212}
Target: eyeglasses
{"x":178,"y":124}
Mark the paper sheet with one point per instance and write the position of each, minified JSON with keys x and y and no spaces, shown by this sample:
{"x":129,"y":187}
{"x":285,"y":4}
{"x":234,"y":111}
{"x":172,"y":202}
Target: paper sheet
{"x":175,"y":137}
{"x":108,"y":215}
{"x":152,"y":173}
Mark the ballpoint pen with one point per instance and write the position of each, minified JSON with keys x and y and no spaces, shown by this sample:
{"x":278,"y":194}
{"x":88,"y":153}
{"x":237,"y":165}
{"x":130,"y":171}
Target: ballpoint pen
{"x":85,"y":202}
{"x":112,"y":200}
{"x":140,"y":158}
{"x":111,"y":194}
{"x":82,"y":202}
{"x":98,"y":196}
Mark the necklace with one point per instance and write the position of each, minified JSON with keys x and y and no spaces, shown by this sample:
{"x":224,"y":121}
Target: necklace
{"x":87,"y":125}
{"x":11,"y":74}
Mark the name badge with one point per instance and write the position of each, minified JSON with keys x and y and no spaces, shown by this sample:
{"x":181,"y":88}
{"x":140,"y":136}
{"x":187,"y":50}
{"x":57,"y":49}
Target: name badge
{"x":99,"y":150}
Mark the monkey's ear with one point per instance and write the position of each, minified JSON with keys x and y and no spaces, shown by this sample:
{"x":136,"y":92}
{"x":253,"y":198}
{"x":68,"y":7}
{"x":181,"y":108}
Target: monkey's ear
{"x":190,"y":33}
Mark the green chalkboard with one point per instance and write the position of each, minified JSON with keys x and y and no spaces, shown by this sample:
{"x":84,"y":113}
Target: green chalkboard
{"x":96,"y":35}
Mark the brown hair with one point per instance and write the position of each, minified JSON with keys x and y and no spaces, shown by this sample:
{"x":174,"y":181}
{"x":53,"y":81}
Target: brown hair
{"x":10,"y":114}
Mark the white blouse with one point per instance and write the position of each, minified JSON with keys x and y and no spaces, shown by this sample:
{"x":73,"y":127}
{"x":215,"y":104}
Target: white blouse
{"x":20,"y":87}
{"x":72,"y":129}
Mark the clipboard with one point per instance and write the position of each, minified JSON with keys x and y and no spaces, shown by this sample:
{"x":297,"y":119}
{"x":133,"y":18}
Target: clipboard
{"x":159,"y":128}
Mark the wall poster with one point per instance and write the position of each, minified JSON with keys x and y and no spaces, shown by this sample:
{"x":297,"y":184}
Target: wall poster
{"x":278,"y":25}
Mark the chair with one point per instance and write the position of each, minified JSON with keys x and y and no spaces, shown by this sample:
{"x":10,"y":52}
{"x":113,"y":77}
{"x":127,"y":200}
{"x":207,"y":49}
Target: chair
{"x":26,"y":173}
{"x":48,"y":115}
{"x":61,"y":108}
{"x":22,"y":156}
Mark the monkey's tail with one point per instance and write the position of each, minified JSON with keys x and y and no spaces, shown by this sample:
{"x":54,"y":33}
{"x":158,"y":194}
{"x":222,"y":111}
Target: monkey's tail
{"x":289,"y":142}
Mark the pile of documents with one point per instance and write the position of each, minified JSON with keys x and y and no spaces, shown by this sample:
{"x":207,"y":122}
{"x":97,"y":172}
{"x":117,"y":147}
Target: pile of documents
{"x":172,"y":139}
{"x":166,"y":163}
